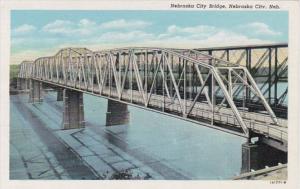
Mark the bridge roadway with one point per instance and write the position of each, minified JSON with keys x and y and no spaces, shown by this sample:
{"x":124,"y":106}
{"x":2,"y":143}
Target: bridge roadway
{"x":259,"y":124}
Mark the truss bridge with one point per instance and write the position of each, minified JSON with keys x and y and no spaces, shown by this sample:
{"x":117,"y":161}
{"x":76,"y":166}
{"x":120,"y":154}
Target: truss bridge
{"x":194,"y":85}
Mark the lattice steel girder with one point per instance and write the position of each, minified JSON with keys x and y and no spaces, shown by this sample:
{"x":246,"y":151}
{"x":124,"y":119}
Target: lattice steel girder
{"x":265,"y":59}
{"x":169,"y":79}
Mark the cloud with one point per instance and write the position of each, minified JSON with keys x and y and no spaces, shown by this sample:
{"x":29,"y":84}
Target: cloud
{"x":224,"y":37}
{"x":124,"y":24}
{"x":122,"y":37}
{"x":217,"y":39}
{"x":196,"y":32}
{"x":121,"y":33}
{"x":182,"y":38}
{"x":259,"y":28}
{"x":195,"y":29}
{"x":59,"y":26}
{"x":86,"y":23}
{"x":23,"y":29}
{"x":66,"y":27}
{"x":87,"y":27}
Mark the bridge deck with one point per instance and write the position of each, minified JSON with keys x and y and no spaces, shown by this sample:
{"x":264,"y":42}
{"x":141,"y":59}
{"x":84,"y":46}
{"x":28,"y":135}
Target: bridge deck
{"x":258,"y":123}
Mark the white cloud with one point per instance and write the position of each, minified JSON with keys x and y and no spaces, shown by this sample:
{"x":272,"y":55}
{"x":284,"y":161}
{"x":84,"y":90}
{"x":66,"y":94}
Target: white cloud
{"x":116,"y":34}
{"x":66,"y":27}
{"x":217,"y":37}
{"x":59,"y":26}
{"x":259,"y":28}
{"x":87,"y":27}
{"x":25,"y":28}
{"x":124,"y":24}
{"x":196,"y":32}
{"x":223,"y":38}
{"x":195,"y":29}
{"x":121,"y":37}
{"x":86,"y":23}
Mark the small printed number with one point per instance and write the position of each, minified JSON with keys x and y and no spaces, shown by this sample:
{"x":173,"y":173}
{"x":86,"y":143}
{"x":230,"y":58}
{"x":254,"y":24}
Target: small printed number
{"x":278,"y":182}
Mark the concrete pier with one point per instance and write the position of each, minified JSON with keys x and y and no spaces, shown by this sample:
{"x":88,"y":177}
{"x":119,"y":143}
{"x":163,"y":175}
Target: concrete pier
{"x":22,"y":84}
{"x":117,"y":113}
{"x":257,"y":156}
{"x":35,"y":92}
{"x":60,"y":95}
{"x":250,"y":153}
{"x":73,"y":115}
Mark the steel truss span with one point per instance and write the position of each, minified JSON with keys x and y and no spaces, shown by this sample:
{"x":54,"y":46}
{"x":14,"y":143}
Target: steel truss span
{"x":268,"y":65}
{"x":180,"y":82}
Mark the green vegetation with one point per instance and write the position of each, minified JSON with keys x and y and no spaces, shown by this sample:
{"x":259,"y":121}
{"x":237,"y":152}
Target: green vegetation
{"x":13,"y":71}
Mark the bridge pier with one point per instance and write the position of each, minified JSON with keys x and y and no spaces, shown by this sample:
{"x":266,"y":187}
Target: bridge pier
{"x":117,"y":113}
{"x":35,"y":92}
{"x":73,"y":115}
{"x":258,"y":155}
{"x":250,"y":156}
{"x":22,"y":84}
{"x":60,"y":95}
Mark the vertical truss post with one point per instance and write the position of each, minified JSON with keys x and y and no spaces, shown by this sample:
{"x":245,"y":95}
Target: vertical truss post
{"x":193,"y":81}
{"x":146,"y":75}
{"x":109,"y":74}
{"x":276,"y":77}
{"x":212,"y":98}
{"x":244,"y":89}
{"x":190,"y":87}
{"x":212,"y":87}
{"x":130,"y":54}
{"x":184,"y":88}
{"x":270,"y":75}
{"x":230,"y":83}
{"x":163,"y":81}
{"x":227,"y":55}
{"x":172,"y":68}
{"x":210,"y":84}
{"x":248,"y":65}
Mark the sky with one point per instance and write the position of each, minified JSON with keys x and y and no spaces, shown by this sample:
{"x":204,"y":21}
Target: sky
{"x":42,"y":33}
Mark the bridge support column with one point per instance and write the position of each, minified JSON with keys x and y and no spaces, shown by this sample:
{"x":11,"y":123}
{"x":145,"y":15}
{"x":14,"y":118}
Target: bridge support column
{"x":60,"y":94}
{"x":22,"y":84}
{"x":117,"y":113}
{"x":257,"y":156}
{"x":73,"y":115}
{"x":250,"y":156}
{"x":35,"y":92}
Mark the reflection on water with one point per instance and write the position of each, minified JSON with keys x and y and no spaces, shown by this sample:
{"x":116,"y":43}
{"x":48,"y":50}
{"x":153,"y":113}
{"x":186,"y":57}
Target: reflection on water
{"x":193,"y":150}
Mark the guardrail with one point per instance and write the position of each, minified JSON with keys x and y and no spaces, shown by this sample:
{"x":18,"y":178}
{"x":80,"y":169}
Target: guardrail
{"x":253,"y":174}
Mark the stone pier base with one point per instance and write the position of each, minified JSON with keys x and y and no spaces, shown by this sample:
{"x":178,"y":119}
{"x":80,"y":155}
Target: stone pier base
{"x":60,"y":95}
{"x":117,"y":113}
{"x":73,"y":115}
{"x":35,"y":92}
